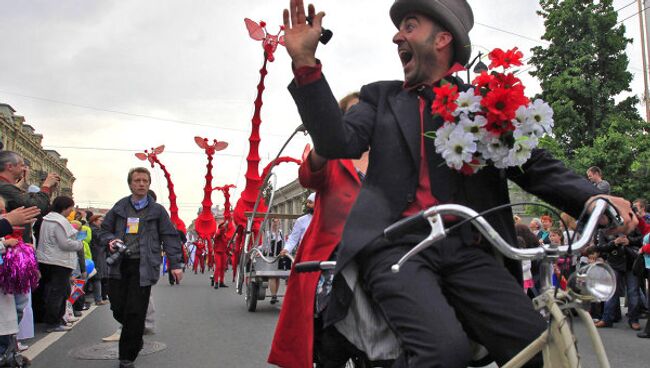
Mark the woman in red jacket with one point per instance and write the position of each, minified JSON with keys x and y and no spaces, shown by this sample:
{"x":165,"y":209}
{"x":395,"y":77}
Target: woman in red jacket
{"x":337,"y":183}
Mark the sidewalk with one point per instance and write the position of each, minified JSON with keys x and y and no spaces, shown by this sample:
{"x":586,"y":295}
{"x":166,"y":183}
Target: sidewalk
{"x":42,"y":340}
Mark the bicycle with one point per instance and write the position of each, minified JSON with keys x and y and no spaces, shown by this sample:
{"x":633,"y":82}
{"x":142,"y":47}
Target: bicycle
{"x":592,"y":283}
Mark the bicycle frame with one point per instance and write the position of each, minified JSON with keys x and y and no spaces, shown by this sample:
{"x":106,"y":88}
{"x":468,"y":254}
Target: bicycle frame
{"x":557,"y":343}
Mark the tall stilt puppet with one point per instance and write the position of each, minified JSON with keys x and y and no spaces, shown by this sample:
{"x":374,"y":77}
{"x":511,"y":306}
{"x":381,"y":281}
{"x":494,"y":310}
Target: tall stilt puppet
{"x":253,"y":180}
{"x":205,"y":224}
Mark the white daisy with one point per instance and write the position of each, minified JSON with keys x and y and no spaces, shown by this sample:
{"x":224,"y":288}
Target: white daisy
{"x":519,"y":154}
{"x":442,"y":135}
{"x":475,"y":127}
{"x":460,"y":148}
{"x":467,"y":103}
{"x":521,"y":115}
{"x":494,"y":149}
{"x":529,"y":129}
{"x":541,"y":113}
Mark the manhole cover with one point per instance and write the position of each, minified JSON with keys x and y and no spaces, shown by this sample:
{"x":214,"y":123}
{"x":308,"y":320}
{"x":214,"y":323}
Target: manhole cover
{"x":109,"y":350}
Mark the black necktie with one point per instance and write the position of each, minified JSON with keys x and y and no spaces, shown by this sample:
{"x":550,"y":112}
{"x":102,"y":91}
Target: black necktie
{"x":439,"y":173}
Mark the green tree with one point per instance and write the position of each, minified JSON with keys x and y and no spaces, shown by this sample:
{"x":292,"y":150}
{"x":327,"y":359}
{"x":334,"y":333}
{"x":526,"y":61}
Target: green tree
{"x":583,"y":74}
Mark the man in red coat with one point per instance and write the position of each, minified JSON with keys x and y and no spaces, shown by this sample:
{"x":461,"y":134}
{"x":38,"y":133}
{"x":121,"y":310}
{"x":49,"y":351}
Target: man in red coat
{"x":337,"y":183}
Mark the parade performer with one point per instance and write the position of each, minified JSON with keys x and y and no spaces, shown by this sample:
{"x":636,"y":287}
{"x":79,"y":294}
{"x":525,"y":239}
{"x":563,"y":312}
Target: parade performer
{"x":336,"y":183}
{"x":436,"y":303}
{"x":225,"y":231}
{"x":205,"y":224}
{"x":199,"y":255}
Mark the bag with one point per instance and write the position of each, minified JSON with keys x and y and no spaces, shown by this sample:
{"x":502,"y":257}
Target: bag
{"x":638,"y":267}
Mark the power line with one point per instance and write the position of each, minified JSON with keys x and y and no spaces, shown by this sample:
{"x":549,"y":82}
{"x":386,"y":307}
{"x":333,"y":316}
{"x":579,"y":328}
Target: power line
{"x":175,"y":121}
{"x":631,"y":3}
{"x":513,"y":33}
{"x":633,"y":15}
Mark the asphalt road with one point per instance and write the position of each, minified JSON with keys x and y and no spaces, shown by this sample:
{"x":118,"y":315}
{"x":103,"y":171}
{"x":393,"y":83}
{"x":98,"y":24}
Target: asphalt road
{"x":203,"y":327}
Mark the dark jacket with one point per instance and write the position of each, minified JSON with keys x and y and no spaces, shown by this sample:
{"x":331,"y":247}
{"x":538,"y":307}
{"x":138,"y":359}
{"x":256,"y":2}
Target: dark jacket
{"x":615,"y":255}
{"x":5,"y":227}
{"x":387,"y":119}
{"x":17,"y":197}
{"x":157,"y":233}
{"x":99,"y":253}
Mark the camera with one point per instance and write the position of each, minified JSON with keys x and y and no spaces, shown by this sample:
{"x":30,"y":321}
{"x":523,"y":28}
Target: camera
{"x":120,"y":249}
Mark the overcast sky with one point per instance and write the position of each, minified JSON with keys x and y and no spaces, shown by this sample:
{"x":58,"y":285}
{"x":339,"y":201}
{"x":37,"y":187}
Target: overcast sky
{"x":101,"y":79}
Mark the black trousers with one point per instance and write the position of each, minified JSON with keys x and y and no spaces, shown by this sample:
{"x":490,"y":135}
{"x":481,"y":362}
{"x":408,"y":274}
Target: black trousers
{"x":55,"y":283}
{"x":446,"y":295}
{"x":129,"y":302}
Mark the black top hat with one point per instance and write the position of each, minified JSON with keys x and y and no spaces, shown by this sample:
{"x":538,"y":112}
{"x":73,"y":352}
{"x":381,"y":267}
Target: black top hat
{"x":454,"y":15}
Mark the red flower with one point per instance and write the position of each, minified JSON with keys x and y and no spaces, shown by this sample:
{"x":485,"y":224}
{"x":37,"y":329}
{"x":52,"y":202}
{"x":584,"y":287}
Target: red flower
{"x":506,"y":81}
{"x":445,"y":101}
{"x":505,"y":59}
{"x":499,"y":127}
{"x":482,"y":81}
{"x":501,"y":104}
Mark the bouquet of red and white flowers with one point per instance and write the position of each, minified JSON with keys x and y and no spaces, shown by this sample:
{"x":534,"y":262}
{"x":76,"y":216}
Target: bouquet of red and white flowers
{"x":491,"y":122}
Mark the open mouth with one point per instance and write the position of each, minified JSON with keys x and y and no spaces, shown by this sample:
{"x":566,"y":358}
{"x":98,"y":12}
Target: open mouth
{"x":405,"y":56}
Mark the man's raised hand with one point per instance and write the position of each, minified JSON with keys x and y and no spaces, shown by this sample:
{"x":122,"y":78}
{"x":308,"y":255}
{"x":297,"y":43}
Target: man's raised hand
{"x":301,"y":38}
{"x":22,"y":216}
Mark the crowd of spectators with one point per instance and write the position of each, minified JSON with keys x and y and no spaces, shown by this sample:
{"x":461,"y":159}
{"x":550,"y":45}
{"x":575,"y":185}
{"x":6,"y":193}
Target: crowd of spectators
{"x":63,"y":248}
{"x":627,"y":254}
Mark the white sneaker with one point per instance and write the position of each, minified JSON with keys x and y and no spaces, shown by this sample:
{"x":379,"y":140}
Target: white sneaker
{"x":114,"y":337}
{"x":22,"y":347}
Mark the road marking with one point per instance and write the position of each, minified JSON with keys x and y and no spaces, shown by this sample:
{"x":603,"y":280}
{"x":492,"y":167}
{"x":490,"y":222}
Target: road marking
{"x":51,"y":337}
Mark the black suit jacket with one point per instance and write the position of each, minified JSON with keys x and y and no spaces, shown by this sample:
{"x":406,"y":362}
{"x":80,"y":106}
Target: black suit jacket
{"x":387,"y":119}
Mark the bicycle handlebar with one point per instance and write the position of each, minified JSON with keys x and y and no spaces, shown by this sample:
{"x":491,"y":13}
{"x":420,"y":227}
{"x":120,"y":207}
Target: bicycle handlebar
{"x":404,"y":225}
{"x":258,"y":253}
{"x":434,"y":216}
{"x":313,"y":266}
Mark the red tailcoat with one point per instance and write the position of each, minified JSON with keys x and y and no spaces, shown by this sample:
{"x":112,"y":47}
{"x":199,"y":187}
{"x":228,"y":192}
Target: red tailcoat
{"x":337,"y":185}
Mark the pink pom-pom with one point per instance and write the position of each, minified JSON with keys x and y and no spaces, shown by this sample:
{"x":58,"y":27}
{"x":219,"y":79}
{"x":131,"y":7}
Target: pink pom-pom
{"x":19,"y":271}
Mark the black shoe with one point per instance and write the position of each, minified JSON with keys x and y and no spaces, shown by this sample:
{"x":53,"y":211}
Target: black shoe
{"x":643,"y":335}
{"x":274,"y":299}
{"x":221,"y":284}
{"x":127,"y":364}
{"x":216,"y":286}
{"x":14,"y":359}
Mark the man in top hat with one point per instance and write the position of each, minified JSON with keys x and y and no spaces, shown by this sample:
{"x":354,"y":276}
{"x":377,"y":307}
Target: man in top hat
{"x":454,"y":291}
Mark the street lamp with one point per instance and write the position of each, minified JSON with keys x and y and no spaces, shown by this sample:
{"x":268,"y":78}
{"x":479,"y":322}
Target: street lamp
{"x":478,"y":68}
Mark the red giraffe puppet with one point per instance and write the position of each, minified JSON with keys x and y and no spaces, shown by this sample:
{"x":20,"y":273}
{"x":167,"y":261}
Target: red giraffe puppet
{"x":152,"y":157}
{"x":225,"y":231}
{"x":205,"y":224}
{"x":253,"y":180}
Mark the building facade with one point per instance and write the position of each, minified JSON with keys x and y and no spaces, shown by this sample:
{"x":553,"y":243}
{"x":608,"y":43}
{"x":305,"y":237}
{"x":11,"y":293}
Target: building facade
{"x":22,"y":138}
{"x":289,"y":200}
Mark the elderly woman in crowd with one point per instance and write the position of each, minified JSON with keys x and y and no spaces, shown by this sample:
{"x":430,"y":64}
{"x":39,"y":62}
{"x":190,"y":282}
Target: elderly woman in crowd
{"x":57,"y":258}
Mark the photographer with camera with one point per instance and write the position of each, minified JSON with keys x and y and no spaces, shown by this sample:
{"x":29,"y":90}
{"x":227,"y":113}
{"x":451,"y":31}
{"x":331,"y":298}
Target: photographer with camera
{"x":619,"y":251}
{"x":134,"y":230}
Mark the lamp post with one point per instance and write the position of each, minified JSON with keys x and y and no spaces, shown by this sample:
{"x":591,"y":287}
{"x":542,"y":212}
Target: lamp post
{"x":479,"y":68}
